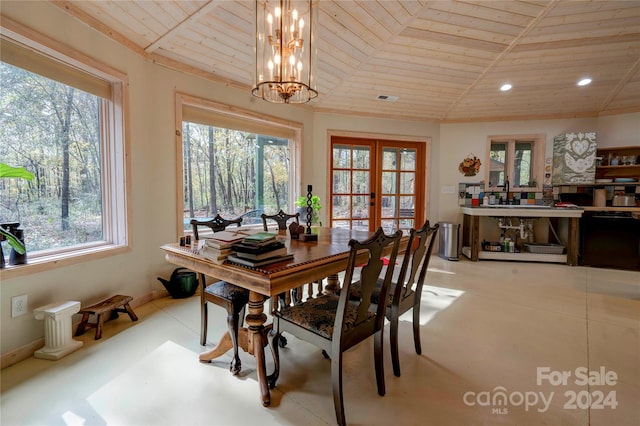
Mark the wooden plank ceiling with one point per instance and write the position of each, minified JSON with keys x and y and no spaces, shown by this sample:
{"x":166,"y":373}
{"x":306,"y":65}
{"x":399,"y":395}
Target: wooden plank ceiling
{"x":445,"y":60}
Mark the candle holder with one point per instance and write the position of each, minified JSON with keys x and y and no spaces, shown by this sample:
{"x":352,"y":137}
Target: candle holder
{"x":307,"y":235}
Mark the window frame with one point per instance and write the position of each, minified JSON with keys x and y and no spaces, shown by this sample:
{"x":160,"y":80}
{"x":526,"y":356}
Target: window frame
{"x":227,"y":113}
{"x":114,"y":131}
{"x":538,"y":140}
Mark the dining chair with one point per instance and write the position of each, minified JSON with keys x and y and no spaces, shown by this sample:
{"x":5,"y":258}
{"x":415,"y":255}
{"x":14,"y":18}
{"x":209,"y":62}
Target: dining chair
{"x":226,"y":295}
{"x":405,"y":293}
{"x":334,"y":323}
{"x":282,"y":218}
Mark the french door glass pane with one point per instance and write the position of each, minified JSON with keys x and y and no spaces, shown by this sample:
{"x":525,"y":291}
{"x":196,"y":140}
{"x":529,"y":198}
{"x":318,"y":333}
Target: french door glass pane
{"x":361,"y":157}
{"x":341,"y":182}
{"x":341,"y":156}
{"x":389,"y":159}
{"x":389,"y":183}
{"x":360,"y":206}
{"x":361,"y":182}
{"x":408,"y":159}
{"x":389,"y":206}
{"x":407,"y":180}
{"x":389,"y":225}
{"x":341,"y":207}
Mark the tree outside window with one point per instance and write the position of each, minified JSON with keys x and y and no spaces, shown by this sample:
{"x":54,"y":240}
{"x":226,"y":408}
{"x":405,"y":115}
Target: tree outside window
{"x":233,"y":173}
{"x":52,"y":130}
{"x":519,"y":158}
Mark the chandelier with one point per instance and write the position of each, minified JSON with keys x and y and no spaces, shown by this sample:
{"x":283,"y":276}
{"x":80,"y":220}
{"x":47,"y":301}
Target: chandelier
{"x":285,"y":50}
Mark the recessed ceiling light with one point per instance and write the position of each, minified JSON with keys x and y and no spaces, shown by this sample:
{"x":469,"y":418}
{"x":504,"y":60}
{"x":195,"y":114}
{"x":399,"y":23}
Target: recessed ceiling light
{"x":584,"y":82}
{"x":506,"y":87}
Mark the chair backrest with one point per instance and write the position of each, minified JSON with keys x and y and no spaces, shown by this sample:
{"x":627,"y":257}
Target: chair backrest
{"x":350,"y":331}
{"x":416,"y":262}
{"x":281,"y":218}
{"x":216,"y":224}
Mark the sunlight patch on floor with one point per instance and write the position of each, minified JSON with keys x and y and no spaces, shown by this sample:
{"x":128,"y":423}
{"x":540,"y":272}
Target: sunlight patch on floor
{"x":435,"y":300}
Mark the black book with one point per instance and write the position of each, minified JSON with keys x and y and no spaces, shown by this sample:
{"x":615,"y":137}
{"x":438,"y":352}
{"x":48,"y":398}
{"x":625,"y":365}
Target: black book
{"x":261,"y":256}
{"x":253,"y":249}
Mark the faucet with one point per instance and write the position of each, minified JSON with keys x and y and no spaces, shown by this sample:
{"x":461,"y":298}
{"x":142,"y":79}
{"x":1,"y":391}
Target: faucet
{"x":506,"y":188}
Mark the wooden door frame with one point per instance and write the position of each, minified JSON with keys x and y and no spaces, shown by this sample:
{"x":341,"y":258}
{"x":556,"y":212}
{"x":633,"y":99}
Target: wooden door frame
{"x":424,"y":191}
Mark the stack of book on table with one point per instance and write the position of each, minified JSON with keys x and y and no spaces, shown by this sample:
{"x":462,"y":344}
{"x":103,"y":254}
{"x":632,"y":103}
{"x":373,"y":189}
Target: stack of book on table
{"x":218,"y":247}
{"x":258,"y":249}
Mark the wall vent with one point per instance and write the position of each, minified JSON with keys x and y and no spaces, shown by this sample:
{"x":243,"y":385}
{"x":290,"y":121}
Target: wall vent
{"x":387,"y":98}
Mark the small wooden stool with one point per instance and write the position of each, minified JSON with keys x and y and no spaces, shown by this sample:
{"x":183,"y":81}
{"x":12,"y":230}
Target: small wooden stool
{"x":112,"y":305}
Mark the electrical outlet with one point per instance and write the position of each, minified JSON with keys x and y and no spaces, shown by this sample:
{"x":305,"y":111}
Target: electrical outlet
{"x":18,"y":305}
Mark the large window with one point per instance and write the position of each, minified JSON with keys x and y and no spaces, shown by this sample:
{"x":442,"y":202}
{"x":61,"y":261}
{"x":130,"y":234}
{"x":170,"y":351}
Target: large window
{"x":234,"y":165}
{"x":62,"y":120}
{"x":518,"y":158}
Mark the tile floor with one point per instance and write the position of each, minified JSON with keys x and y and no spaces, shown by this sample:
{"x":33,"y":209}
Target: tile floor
{"x":495,"y":335}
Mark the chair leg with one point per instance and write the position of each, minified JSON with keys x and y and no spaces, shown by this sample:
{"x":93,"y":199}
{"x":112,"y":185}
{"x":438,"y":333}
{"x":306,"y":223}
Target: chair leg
{"x":416,"y":328}
{"x":232,"y":322}
{"x":336,"y":379}
{"x":203,"y":326}
{"x":274,"y":338}
{"x":393,"y":337}
{"x":379,"y":362}
{"x":203,"y":311}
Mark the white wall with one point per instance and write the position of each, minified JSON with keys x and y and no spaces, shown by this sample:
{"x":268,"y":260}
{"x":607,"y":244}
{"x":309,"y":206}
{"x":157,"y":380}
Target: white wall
{"x":619,"y":130}
{"x":153,"y":180}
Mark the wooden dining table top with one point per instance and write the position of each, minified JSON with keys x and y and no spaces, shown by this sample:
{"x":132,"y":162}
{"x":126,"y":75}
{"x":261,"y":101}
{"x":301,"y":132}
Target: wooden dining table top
{"x":312,"y":260}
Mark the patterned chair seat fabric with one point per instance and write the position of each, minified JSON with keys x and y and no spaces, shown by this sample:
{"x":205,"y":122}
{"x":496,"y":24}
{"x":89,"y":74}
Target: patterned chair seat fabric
{"x":318,"y":315}
{"x":237,"y":295}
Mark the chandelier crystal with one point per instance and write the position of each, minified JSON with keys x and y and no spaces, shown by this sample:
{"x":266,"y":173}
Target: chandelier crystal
{"x":286,"y":50}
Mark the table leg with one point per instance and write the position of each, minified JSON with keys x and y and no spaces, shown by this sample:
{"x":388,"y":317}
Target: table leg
{"x":257,"y":341}
{"x":573,"y":243}
{"x":333,"y":284}
{"x":224,"y":344}
{"x":475,"y":238}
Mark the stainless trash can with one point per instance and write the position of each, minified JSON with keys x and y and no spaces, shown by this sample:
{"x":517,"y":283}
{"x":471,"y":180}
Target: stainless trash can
{"x":448,"y":244}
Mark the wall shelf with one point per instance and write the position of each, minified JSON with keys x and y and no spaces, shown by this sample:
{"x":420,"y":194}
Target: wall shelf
{"x":619,"y":171}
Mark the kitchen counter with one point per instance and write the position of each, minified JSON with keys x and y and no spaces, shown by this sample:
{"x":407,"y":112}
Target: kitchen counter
{"x":471,"y":232}
{"x":523,"y":211}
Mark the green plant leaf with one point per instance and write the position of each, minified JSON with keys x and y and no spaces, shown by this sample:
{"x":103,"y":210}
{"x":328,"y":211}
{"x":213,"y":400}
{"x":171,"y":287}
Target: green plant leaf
{"x":15,"y":243}
{"x":7,"y":171}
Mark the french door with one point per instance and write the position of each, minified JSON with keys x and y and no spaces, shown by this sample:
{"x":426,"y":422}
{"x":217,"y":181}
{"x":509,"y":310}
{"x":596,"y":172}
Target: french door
{"x":376,"y":183}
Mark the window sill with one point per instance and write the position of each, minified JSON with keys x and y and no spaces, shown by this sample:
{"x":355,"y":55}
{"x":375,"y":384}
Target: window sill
{"x":49,"y":262}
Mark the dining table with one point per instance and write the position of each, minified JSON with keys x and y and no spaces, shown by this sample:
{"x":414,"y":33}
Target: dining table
{"x":312,"y":260}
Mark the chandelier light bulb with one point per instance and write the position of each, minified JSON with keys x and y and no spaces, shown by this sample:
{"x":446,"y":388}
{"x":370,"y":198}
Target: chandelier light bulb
{"x":278,"y":12}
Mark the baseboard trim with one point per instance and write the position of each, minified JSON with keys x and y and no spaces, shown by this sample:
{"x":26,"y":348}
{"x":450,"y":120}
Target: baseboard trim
{"x":23,"y":352}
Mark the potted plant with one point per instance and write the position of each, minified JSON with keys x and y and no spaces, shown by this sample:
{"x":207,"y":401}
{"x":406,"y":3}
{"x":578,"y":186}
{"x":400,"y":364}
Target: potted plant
{"x":7,"y":171}
{"x":301,"y":203}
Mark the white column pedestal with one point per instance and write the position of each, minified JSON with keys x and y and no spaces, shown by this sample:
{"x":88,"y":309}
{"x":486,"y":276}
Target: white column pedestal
{"x":57,"y":330}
